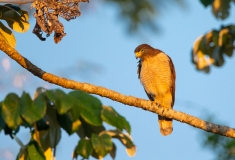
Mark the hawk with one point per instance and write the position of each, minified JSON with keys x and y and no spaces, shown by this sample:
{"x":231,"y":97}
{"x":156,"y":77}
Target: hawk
{"x":157,"y":74}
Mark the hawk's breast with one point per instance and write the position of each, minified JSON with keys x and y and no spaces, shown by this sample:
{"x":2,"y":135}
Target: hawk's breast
{"x":155,"y":75}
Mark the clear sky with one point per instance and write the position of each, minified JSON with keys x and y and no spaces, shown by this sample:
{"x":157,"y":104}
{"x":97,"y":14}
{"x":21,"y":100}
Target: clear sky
{"x":98,"y":50}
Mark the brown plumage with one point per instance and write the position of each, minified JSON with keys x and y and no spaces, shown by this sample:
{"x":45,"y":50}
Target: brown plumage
{"x":157,"y":74}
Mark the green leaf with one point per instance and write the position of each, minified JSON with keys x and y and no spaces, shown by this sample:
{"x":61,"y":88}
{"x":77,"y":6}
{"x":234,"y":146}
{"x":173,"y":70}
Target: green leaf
{"x":228,"y":50}
{"x":42,"y":125}
{"x":211,"y":48}
{"x":223,"y":37}
{"x":218,"y":57}
{"x":70,"y":121}
{"x":110,"y":116}
{"x":35,"y":152}
{"x":67,"y":123}
{"x":113,"y":151}
{"x":131,"y":151}
{"x":32,"y":111}
{"x":10,"y":7}
{"x":54,"y":131}
{"x":62,"y":101}
{"x":89,"y":106}
{"x":102,"y":145}
{"x":22,"y":155}
{"x":50,"y":136}
{"x":5,"y":8}
{"x":81,"y":132}
{"x":48,"y":131}
{"x":84,"y":148}
{"x":75,"y":111}
{"x":11,"y":111}
{"x":2,"y":123}
{"x":226,"y":39}
{"x":16,"y":20}
{"x":8,"y":131}
{"x":124,"y":138}
{"x":13,"y":7}
{"x":206,"y":2}
{"x":42,"y":137}
{"x":223,"y":147}
{"x":39,"y":90}
{"x":88,"y":129}
{"x":220,"y":8}
{"x":7,"y":35}
{"x":25,"y":15}
{"x":40,"y":104}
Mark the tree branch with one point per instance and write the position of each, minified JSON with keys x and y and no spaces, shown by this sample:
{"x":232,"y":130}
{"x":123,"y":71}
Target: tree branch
{"x":17,"y":1}
{"x":127,"y":100}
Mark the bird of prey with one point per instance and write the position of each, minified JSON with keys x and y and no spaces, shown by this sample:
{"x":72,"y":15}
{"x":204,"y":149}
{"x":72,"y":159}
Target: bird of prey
{"x":157,"y":74}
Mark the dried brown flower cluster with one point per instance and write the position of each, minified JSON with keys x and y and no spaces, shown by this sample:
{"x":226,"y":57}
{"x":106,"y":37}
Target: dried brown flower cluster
{"x":47,"y":12}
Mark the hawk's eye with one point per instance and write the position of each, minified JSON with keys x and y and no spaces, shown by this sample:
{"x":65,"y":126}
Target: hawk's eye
{"x":142,"y":50}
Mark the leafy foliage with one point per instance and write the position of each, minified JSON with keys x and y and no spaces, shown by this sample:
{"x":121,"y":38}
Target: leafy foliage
{"x":139,"y":13}
{"x":211,"y":48}
{"x":125,"y":139}
{"x":220,"y":8}
{"x":36,"y":108}
{"x":76,"y":112}
{"x":84,"y":148}
{"x":101,"y":144}
{"x":11,"y":111}
{"x":16,"y":19}
{"x":222,"y":147}
{"x":207,"y":2}
{"x":110,"y":116}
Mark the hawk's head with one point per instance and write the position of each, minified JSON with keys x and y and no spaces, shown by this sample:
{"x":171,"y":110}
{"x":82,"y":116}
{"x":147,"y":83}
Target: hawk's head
{"x":143,"y":50}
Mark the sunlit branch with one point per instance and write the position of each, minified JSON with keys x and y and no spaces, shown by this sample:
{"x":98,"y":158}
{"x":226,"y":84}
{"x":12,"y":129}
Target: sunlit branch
{"x":127,"y":100}
{"x":17,"y":1}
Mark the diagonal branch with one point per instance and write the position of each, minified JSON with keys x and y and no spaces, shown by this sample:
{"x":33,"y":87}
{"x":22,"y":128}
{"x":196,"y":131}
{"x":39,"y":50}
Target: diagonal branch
{"x":127,"y":100}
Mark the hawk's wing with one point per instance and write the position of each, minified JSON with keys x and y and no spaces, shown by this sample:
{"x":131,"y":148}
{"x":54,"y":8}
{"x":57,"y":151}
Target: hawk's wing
{"x":173,"y":77}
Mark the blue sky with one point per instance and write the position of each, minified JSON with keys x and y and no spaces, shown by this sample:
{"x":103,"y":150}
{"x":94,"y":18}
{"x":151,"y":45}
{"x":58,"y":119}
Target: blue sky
{"x":99,"y":39}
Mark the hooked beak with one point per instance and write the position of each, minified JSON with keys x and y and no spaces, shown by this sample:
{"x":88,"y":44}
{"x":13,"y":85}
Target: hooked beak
{"x":138,"y":54}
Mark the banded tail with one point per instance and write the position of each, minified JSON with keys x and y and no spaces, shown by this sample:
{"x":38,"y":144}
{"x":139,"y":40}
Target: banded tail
{"x":165,"y":125}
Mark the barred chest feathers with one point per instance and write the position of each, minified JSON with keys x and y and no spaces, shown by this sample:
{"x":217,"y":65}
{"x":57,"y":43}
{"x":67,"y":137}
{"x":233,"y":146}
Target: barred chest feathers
{"x":155,"y":74}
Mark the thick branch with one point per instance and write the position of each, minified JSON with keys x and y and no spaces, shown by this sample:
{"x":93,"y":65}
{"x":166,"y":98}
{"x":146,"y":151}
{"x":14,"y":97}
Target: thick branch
{"x":127,"y":100}
{"x":17,"y":1}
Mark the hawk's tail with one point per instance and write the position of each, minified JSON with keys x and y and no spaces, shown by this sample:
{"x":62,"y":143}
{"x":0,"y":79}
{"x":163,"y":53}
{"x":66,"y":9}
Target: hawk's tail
{"x":165,"y":125}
